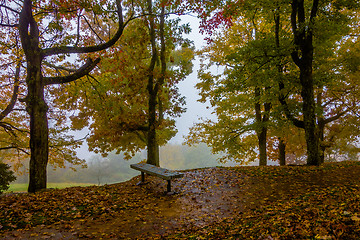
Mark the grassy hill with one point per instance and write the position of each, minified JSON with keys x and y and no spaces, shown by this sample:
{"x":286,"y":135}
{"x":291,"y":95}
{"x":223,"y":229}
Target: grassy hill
{"x":212,"y":203}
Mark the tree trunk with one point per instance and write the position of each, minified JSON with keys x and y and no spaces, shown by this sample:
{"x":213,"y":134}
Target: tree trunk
{"x":152,"y":144}
{"x":35,"y":103}
{"x":280,"y":67}
{"x":262,"y":119}
{"x":282,"y":152}
{"x":262,"y":147}
{"x":303,"y":57}
{"x":322,"y":147}
{"x":39,"y":132}
{"x":307,"y":94}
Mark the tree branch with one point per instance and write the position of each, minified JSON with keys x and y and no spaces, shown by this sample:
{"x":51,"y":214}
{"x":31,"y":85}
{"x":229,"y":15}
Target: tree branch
{"x":150,"y":85}
{"x":9,"y":128}
{"x":92,"y":29}
{"x":9,"y":8}
{"x":84,"y":70}
{"x":314,"y":10}
{"x":15,"y":147}
{"x":59,"y":67}
{"x":294,"y":12}
{"x":161,"y":80}
{"x":333,"y":118}
{"x":9,"y":25}
{"x":294,"y":7}
{"x":14,"y":97}
{"x":289,"y":115}
{"x":90,"y":49}
{"x":28,"y":29}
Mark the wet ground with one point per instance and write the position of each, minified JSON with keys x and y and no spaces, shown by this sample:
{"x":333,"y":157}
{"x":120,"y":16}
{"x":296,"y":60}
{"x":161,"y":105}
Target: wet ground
{"x":201,"y":197}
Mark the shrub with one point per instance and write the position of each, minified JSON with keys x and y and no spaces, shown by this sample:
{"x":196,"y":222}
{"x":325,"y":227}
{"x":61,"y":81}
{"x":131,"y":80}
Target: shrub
{"x":6,"y":177}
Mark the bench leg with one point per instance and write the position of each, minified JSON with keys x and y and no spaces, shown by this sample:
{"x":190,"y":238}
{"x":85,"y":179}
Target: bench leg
{"x":142,"y":177}
{"x":142,"y":181}
{"x":169,"y":186}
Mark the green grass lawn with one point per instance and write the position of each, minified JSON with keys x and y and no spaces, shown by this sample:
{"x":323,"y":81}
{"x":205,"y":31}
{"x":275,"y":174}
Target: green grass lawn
{"x":22,"y":187}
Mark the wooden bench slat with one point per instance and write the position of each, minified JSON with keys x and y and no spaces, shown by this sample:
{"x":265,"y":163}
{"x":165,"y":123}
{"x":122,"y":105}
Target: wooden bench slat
{"x":157,"y":171}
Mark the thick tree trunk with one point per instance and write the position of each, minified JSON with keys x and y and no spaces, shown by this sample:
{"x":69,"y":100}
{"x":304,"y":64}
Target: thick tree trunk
{"x":282,"y":152}
{"x":38,"y":143}
{"x":152,"y":144}
{"x":262,"y":147}
{"x":260,"y":130}
{"x":39,"y":132}
{"x":280,"y":67}
{"x":307,"y":94}
{"x":35,"y":103}
{"x":303,"y":58}
{"x":262,"y":118}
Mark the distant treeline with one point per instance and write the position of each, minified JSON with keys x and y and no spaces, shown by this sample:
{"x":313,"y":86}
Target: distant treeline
{"x":113,"y":168}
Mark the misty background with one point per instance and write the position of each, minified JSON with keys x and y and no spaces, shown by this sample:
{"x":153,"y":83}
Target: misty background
{"x":113,"y":168}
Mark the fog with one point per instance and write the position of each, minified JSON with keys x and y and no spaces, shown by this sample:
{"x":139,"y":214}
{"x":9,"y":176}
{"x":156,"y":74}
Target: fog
{"x":173,"y":156}
{"x":195,"y":110}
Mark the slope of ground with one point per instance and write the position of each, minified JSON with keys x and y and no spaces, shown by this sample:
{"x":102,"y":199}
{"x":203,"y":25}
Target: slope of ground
{"x":213,"y":203}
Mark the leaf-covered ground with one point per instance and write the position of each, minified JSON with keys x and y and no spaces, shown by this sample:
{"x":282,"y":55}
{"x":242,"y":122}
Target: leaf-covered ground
{"x":214,"y":203}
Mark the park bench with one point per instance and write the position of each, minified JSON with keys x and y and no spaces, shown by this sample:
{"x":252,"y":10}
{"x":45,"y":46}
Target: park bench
{"x":156,"y":171}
